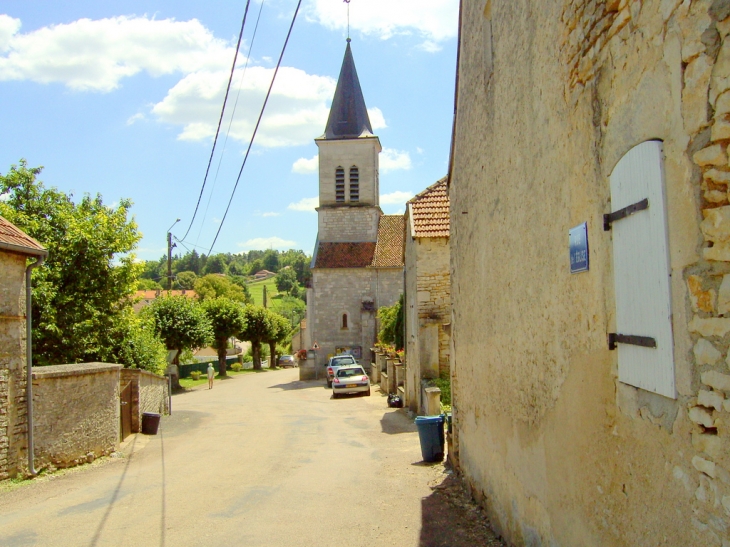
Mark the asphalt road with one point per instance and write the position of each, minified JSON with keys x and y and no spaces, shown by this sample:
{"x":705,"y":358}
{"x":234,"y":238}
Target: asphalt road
{"x":260,"y":460}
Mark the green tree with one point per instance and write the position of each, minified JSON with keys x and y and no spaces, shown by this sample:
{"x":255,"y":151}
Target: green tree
{"x":144,"y":284}
{"x":89,"y":279}
{"x":180,"y":322}
{"x":136,"y":345}
{"x":216,"y":264}
{"x":279,"y":331}
{"x":391,"y":324}
{"x":255,"y":266}
{"x":257,"y":331}
{"x":190,"y":262}
{"x":185,"y":280}
{"x":286,"y":280}
{"x":226,"y":319}
{"x":216,"y":286}
{"x":271,"y":260}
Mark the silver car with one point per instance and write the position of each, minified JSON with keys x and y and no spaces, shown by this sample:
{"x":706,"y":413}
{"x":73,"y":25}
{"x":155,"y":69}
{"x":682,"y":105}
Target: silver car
{"x":350,"y":379}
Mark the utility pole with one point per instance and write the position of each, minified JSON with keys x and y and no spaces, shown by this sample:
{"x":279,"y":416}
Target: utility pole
{"x":170,"y":246}
{"x":264,"y":296}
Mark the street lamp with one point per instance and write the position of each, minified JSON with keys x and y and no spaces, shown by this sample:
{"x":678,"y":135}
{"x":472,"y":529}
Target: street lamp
{"x":169,"y":256}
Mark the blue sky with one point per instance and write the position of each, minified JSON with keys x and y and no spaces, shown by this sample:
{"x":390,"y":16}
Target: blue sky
{"x":122,"y":98}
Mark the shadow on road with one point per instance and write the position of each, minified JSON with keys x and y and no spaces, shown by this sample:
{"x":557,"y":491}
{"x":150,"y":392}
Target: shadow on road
{"x":395,"y":422}
{"x":298,"y":385}
{"x":449,"y":518}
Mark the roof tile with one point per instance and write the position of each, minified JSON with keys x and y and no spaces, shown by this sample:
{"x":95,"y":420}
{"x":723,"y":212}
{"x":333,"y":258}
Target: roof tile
{"x":429,"y":211}
{"x":22,"y":242}
{"x":389,"y":250}
{"x":344,"y":255}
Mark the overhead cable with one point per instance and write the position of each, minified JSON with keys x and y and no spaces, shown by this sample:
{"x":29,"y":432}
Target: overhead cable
{"x":220,"y":120}
{"x":258,"y":122}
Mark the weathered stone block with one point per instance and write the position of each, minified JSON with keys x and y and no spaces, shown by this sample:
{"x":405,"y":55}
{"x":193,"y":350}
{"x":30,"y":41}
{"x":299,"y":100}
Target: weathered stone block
{"x":701,"y":416}
{"x":701,"y":300}
{"x":716,"y":380}
{"x":720,"y":130}
{"x":719,"y":252}
{"x":705,"y":353}
{"x":716,"y":225}
{"x":710,"y":399}
{"x":709,"y":444}
{"x":715,"y":196}
{"x":714,"y":326}
{"x":723,"y":296}
{"x":694,"y":95}
{"x":714,"y":175}
{"x":712,"y":155}
{"x":704,"y":466}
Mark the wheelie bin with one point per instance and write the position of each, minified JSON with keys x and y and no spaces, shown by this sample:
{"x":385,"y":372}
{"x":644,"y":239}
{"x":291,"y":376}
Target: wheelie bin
{"x":431,"y":435}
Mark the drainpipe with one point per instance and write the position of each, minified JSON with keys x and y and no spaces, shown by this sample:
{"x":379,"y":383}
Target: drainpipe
{"x":29,"y":362}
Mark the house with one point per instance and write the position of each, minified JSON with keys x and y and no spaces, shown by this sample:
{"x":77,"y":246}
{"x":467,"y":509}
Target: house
{"x":590,"y":260}
{"x":145,"y":298}
{"x":263,"y":274}
{"x":15,"y":249}
{"x":357,"y":264}
{"x":428,"y":290}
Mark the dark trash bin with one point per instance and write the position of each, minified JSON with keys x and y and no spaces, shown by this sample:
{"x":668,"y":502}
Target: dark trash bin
{"x":150,"y":423}
{"x":431,"y":435}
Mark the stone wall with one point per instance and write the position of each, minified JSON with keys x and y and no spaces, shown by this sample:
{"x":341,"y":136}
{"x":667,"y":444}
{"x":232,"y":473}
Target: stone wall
{"x":76,"y":413}
{"x":13,"y":422}
{"x":149,"y":394}
{"x":350,"y":224}
{"x":551,"y":96}
{"x":346,"y":153}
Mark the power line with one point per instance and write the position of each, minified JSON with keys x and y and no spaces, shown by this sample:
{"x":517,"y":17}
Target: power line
{"x":220,"y":120}
{"x":258,"y":122}
{"x":230,"y":121}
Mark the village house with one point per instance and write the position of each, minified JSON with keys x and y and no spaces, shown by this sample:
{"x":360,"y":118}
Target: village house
{"x":15,"y":249}
{"x":590,"y":259}
{"x":428,"y":291}
{"x":357,"y":264}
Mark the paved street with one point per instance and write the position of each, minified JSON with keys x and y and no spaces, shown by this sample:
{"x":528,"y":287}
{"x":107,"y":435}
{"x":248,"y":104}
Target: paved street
{"x":260,"y":460}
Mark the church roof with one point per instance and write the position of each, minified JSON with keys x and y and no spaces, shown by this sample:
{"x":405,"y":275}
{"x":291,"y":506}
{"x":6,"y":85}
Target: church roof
{"x":344,"y":255}
{"x":429,"y":211}
{"x":348,"y":116}
{"x":389,"y":250}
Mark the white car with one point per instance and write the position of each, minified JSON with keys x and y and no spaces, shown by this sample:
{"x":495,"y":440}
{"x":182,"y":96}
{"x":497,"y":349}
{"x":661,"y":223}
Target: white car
{"x":350,"y":379}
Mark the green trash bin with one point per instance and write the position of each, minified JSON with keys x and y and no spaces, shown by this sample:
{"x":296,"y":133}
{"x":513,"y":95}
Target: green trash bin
{"x":431,"y":436}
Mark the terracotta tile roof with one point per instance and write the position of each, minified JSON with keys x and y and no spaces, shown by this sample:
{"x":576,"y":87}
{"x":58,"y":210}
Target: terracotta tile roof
{"x":429,"y":211}
{"x":344,"y":255}
{"x":389,"y":250}
{"x":16,"y":240}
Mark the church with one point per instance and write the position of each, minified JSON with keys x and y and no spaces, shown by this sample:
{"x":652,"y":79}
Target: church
{"x":358,"y":259}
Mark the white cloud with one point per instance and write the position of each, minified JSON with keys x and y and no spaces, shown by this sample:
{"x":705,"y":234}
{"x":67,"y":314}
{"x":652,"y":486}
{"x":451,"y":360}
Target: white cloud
{"x":305,"y":166}
{"x":395,"y":198}
{"x":261,"y":243}
{"x":392,"y":160}
{"x":296,"y":113}
{"x":433,"y":20}
{"x":95,"y":55}
{"x":137,"y":117}
{"x":306,"y":204}
{"x":266,"y":215}
{"x":377,"y":120}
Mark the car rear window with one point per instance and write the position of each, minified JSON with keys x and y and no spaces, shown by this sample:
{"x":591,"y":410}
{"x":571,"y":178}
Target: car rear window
{"x":348,"y":372}
{"x":342,"y":360}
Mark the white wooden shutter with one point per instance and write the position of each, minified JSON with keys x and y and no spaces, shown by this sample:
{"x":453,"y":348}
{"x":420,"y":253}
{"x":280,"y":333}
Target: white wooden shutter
{"x":641,"y":270}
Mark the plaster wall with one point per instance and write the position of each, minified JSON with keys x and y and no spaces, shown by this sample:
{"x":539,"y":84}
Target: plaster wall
{"x":551,"y":96}
{"x":13,"y":419}
{"x":348,"y":224}
{"x":362,"y":153}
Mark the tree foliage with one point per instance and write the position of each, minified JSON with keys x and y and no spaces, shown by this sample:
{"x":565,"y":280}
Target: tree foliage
{"x":391,"y":324}
{"x":257,"y":331}
{"x":136,"y":345}
{"x":286,"y":280}
{"x":86,"y":286}
{"x":217,"y":286}
{"x":227,"y":319}
{"x":185,"y":280}
{"x":180,"y":322}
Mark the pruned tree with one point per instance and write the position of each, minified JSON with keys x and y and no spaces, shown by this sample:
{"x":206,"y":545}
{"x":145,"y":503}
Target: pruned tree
{"x":280,"y":329}
{"x":257,"y":331}
{"x":180,"y":322}
{"x":227,"y":318}
{"x":217,"y":286}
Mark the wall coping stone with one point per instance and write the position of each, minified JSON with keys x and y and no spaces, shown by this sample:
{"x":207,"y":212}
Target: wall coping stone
{"x":78,"y":369}
{"x":142,"y":372}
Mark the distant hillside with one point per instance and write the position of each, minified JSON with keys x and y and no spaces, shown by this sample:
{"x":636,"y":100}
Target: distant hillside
{"x":257,"y":291}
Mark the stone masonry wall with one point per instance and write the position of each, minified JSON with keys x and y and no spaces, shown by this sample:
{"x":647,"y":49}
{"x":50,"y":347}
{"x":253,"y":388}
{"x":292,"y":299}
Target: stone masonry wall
{"x":149,"y":394}
{"x":76,"y":413}
{"x":362,"y":153}
{"x":13,"y":422}
{"x":351,"y":224}
{"x":561,"y":452}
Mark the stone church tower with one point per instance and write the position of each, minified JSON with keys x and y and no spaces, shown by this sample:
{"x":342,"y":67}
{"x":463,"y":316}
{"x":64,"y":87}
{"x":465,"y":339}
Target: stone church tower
{"x":358,"y":258}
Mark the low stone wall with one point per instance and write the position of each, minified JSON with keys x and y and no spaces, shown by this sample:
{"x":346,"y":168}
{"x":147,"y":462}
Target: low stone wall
{"x":76,"y":413}
{"x":149,"y":394}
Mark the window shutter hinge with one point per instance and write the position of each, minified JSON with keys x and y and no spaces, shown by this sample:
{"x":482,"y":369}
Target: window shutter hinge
{"x":623,"y":213}
{"x":643,"y":341}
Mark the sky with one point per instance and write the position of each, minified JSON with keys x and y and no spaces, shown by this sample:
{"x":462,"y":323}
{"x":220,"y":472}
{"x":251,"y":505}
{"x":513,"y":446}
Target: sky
{"x":122,"y":98}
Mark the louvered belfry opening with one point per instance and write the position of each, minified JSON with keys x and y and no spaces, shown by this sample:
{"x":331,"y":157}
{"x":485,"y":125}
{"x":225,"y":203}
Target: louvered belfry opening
{"x":354,"y":184}
{"x":340,"y":184}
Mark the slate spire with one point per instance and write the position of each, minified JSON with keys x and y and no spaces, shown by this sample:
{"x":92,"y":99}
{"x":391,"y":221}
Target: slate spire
{"x":348,"y":115}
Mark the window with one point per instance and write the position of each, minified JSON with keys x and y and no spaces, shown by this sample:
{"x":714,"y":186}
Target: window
{"x":344,"y":320}
{"x":641,"y":271}
{"x":354,"y":184}
{"x":340,"y":184}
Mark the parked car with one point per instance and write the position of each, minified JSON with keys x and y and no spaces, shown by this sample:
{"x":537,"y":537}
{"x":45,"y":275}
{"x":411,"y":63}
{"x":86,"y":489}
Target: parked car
{"x":350,"y":379}
{"x":287,"y":361}
{"x":336,"y":362}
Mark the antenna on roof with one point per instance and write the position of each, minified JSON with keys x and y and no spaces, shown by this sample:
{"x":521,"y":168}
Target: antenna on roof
{"x":348,"y":19}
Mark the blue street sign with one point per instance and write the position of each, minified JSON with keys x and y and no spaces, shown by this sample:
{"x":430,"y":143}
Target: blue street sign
{"x":579,"y":248}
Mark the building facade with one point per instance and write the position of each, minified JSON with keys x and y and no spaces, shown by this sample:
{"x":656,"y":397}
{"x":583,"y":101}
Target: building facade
{"x":592,"y":408}
{"x":357,"y":265}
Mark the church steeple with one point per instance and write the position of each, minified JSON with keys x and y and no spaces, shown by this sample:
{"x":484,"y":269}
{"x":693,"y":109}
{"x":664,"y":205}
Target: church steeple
{"x":348,"y":116}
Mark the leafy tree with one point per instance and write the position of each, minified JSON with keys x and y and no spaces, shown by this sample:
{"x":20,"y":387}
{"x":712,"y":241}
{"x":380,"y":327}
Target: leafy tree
{"x":279,"y":331}
{"x":136,"y":345}
{"x":216,"y":286}
{"x":216,"y":264}
{"x":257,"y":331}
{"x":256,"y":266}
{"x":391,"y":324}
{"x":144,"y":284}
{"x":88,"y":281}
{"x":189,"y":263}
{"x":180,"y":322}
{"x":185,"y":280}
{"x":271,"y":260}
{"x":286,"y":280}
{"x":227,"y":319}
{"x":290,"y":307}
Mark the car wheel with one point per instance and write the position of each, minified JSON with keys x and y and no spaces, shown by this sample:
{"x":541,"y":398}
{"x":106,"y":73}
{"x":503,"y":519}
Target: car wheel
{"x":335,"y":395}
{"x":367,"y":393}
